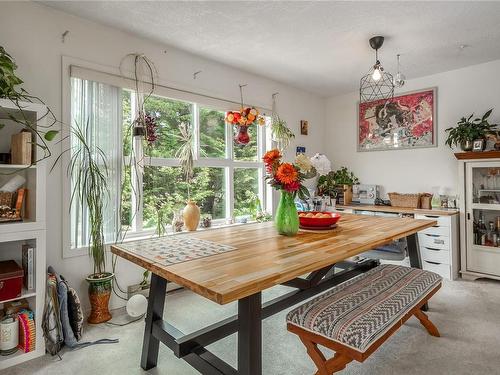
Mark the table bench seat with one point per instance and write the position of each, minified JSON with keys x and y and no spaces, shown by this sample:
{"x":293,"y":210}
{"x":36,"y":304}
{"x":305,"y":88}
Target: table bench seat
{"x":356,"y":317}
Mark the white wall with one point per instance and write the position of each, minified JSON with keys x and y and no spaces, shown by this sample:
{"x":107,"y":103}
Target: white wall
{"x":460,"y":92}
{"x":32,"y":34}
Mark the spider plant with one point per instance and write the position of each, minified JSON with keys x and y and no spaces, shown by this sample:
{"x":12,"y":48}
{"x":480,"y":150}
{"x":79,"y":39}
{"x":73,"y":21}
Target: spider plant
{"x":281,"y":133}
{"x":186,"y":153}
{"x":89,"y":173}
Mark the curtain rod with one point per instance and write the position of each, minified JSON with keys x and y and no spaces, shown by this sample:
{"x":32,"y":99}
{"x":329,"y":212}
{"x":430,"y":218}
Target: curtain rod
{"x":167,"y":87}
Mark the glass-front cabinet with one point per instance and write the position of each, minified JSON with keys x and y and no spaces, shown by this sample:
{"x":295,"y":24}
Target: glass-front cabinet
{"x":483,"y":217}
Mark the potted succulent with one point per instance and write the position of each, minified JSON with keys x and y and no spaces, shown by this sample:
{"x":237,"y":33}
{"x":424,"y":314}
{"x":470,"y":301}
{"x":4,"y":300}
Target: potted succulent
{"x":468,"y":130}
{"x":89,"y":174}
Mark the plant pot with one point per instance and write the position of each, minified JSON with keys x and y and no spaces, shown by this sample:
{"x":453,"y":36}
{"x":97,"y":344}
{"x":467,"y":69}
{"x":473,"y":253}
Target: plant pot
{"x":347,"y":194}
{"x":466,"y":146}
{"x":287,"y":218}
{"x":242,"y":137}
{"x":191,"y":216}
{"x":99,"y":294}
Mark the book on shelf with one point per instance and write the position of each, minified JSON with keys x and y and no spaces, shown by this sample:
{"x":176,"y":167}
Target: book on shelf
{"x":29,"y":266}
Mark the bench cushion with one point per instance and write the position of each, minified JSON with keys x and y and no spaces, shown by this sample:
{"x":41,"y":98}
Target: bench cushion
{"x":361,"y":310}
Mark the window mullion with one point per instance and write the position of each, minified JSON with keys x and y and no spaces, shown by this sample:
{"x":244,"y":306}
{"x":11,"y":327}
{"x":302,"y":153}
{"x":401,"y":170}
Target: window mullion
{"x":196,"y":130}
{"x":230,"y":192}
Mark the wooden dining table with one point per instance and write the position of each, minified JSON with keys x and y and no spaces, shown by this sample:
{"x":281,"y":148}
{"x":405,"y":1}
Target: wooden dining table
{"x":310,"y":263}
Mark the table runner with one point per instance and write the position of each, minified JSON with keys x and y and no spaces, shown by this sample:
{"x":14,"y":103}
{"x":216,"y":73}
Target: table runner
{"x":170,"y":250}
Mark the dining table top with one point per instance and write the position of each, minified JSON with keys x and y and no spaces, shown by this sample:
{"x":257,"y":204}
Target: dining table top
{"x":263,"y":258}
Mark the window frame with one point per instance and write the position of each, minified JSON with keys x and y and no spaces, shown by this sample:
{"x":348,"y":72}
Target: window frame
{"x":114,"y":76}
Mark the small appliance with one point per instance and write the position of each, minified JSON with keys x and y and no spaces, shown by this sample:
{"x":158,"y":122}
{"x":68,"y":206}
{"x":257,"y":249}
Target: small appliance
{"x":365,"y":194}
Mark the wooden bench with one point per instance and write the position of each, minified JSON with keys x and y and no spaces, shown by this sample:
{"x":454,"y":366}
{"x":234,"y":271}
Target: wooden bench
{"x":356,"y":317}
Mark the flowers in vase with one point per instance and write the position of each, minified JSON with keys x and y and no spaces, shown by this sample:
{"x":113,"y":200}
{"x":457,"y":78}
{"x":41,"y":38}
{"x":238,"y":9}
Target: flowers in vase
{"x":288,"y":177}
{"x":245,"y":117}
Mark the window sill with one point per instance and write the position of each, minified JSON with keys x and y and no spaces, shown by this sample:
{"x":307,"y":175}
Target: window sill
{"x":136,"y":236}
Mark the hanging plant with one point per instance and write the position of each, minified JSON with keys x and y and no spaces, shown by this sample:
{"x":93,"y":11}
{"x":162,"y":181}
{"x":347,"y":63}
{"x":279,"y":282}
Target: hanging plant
{"x":280,"y":132}
{"x":10,"y":90}
{"x":144,"y":77}
{"x":242,"y":119}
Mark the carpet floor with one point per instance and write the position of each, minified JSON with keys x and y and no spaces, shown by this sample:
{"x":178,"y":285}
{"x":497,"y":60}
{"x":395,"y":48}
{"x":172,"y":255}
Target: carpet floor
{"x":466,"y":313}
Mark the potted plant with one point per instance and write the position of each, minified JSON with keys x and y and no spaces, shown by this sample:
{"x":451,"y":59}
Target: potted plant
{"x":468,"y":130}
{"x":344,"y":179}
{"x":191,"y":213}
{"x":89,"y":174}
{"x":328,"y":187}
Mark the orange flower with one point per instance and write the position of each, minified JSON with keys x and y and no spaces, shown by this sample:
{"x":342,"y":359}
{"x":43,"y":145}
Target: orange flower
{"x":287,"y":173}
{"x":271,"y":156}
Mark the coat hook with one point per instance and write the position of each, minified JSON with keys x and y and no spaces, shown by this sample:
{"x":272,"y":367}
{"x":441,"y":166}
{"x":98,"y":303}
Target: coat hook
{"x":196,"y":73}
{"x":275,"y":94}
{"x":63,"y":36}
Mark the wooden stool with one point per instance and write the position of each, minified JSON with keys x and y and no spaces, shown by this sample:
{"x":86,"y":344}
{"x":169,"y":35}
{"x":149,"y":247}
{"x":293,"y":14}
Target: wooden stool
{"x":356,"y":317}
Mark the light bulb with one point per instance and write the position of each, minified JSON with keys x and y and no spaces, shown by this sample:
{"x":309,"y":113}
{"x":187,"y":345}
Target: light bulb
{"x":376,"y":74}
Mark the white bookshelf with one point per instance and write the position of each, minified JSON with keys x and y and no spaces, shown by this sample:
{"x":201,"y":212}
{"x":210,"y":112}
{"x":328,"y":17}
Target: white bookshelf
{"x":31,"y":230}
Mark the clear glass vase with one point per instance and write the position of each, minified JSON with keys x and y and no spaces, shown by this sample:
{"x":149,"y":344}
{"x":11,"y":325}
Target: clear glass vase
{"x":287,"y":218}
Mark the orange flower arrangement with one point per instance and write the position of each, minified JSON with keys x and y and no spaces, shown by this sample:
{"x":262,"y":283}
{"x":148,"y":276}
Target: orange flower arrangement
{"x":287,"y":176}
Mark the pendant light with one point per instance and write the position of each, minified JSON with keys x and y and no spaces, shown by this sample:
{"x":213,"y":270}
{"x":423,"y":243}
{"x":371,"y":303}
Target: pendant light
{"x":377,"y":84}
{"x":400,"y":78}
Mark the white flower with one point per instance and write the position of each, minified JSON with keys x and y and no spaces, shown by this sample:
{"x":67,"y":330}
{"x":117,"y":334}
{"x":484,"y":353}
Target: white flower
{"x":303,"y":163}
{"x":321,"y":163}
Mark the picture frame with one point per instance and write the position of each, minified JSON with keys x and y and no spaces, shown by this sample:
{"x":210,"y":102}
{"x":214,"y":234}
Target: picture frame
{"x":478,"y":145}
{"x":304,"y":127}
{"x":407,"y":121}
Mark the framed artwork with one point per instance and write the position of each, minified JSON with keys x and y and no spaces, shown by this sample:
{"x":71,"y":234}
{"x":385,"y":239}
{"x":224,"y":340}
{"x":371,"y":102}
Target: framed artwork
{"x":404,"y":122}
{"x":300,"y":150}
{"x":304,"y":127}
{"x":478,"y":145}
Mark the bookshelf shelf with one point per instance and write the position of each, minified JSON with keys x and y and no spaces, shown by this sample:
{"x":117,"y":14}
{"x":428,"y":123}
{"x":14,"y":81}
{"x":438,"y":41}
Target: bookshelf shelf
{"x":31,"y":231}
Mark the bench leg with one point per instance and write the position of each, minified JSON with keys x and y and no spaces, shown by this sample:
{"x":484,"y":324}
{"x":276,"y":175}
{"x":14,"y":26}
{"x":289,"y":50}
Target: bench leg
{"x":429,"y":326}
{"x":325,"y":367}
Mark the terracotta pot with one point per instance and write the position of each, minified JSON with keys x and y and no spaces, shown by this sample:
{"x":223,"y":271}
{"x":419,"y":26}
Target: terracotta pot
{"x":191,"y":216}
{"x":99,"y":294}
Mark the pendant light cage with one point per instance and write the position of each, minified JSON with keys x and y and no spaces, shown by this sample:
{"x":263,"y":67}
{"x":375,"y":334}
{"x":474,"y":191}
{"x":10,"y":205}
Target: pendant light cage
{"x":381,"y":89}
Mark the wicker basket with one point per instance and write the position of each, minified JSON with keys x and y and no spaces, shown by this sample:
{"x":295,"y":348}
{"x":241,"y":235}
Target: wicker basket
{"x":426,"y":201}
{"x":6,"y":198}
{"x":405,"y":200}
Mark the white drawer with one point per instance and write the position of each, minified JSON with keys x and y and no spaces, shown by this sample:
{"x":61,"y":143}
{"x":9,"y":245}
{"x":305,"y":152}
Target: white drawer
{"x":441,"y":269}
{"x":436,"y":242}
{"x":437,"y":231}
{"x":435,"y":255}
{"x":442,"y":221}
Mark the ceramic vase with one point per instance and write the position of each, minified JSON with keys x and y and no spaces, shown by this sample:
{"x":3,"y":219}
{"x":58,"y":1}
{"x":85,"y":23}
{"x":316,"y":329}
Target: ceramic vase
{"x":287,"y":218}
{"x":191,"y":215}
{"x":99,"y":294}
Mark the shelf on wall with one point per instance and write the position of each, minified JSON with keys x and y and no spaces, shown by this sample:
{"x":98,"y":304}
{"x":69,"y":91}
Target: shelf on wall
{"x":493,"y":154}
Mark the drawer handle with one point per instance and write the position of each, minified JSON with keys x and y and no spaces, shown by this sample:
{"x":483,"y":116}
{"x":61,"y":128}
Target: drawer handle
{"x":432,"y":216}
{"x":436,"y":263}
{"x":432,"y":235}
{"x":432,"y":248}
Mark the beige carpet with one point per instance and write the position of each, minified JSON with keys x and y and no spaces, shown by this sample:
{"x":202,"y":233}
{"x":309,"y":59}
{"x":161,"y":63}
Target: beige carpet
{"x":466,"y":313}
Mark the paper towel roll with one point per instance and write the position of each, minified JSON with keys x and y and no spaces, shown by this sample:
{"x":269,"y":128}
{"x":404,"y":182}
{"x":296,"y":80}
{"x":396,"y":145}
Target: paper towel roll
{"x":13,"y":184}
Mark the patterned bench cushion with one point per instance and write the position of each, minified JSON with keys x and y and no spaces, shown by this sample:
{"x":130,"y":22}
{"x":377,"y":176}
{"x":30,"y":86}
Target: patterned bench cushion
{"x":359,"y":311}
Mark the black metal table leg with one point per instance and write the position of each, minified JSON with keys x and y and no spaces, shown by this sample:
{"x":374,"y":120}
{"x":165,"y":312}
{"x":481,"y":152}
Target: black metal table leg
{"x":250,"y":335}
{"x":150,"y":344}
{"x":415,"y":258}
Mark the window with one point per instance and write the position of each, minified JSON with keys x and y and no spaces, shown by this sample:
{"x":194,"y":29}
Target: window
{"x":228,"y":178}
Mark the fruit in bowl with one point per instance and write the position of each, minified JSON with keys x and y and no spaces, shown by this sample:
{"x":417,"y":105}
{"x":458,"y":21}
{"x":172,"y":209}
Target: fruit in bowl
{"x":318,"y":219}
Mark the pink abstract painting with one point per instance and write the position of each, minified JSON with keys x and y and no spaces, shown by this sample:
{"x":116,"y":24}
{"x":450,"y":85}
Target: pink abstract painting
{"x":406,"y":121}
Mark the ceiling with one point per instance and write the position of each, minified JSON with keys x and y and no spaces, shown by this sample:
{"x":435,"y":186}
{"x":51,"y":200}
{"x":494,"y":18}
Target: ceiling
{"x":321,"y":47}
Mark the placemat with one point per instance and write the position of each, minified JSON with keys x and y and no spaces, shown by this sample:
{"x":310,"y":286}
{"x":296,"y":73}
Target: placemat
{"x":170,"y":250}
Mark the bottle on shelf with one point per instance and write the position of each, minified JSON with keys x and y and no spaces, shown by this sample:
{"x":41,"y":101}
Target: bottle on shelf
{"x":489,"y":234}
{"x":481,"y":230}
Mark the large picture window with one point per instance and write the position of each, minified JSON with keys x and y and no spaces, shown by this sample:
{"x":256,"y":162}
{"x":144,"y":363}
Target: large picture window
{"x":228,"y":178}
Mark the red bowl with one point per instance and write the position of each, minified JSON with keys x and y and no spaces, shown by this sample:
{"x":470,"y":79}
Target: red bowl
{"x":317,"y":221}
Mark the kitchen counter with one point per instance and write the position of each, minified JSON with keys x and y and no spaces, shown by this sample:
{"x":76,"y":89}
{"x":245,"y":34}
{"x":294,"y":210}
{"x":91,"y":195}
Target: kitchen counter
{"x":402,"y":210}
